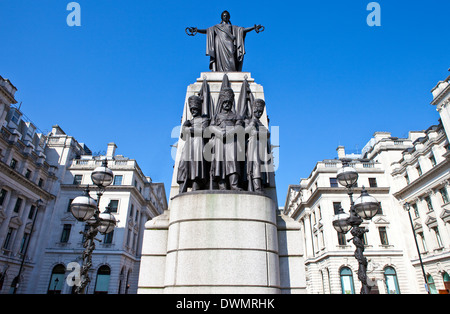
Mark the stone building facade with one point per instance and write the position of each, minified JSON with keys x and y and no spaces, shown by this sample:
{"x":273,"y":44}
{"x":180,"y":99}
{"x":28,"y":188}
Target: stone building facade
{"x":401,"y":173}
{"x":39,"y":176}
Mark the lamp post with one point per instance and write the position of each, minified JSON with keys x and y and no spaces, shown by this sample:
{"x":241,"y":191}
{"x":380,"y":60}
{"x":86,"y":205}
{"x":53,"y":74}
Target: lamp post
{"x":407,"y":207}
{"x":86,"y":209}
{"x":365,"y":207}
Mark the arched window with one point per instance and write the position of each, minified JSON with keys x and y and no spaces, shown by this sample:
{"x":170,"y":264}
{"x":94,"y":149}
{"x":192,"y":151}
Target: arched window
{"x":102,"y":282}
{"x":431,"y":285}
{"x":390,"y":277}
{"x":56,"y":280}
{"x":347,"y":281}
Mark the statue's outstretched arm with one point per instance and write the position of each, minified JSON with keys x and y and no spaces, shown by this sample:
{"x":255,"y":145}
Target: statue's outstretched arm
{"x":192,"y":31}
{"x":258,"y":28}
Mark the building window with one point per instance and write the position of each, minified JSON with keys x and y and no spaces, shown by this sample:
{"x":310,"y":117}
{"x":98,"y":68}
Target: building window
{"x":68,"y":205}
{"x":129,"y":234}
{"x":429,"y":204}
{"x":24,"y":243}
{"x":31,"y":213}
{"x":28,"y":174}
{"x":446,"y":279}
{"x":3,"y":194}
{"x":422,"y":240}
{"x":16,"y":116}
{"x":13,"y":163}
{"x":373,"y":182}
{"x":416,"y":210}
{"x":419,"y":170}
{"x":117,"y":180}
{"x":66,"y":233}
{"x":336,"y":207}
{"x":438,"y":237}
{"x":114,"y":206}
{"x":407,"y":178}
{"x":56,"y":280}
{"x":8,"y":238}
{"x":131,"y":210}
{"x":341,"y":238}
{"x":102,"y":282}
{"x":333,"y":182}
{"x":383,"y":235}
{"x":77,"y":179}
{"x":390,"y":277}
{"x":431,"y":285}
{"x":347,"y":285}
{"x":108,"y":238}
{"x":433,"y":160}
{"x":444,"y":195}
{"x":18,"y":205}
{"x":40,"y":182}
{"x":365,"y":239}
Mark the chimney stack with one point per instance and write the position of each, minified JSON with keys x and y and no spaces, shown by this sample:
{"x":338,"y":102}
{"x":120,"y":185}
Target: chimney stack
{"x":110,"y":152}
{"x":341,"y":152}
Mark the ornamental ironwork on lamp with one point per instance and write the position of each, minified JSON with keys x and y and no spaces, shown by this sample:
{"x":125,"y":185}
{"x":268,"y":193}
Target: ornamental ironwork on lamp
{"x":86,"y":209}
{"x":365,"y":207}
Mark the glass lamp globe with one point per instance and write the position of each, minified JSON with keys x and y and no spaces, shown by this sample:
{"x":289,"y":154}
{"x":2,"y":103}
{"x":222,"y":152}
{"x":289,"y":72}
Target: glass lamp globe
{"x":83,"y":207}
{"x":340,"y":222}
{"x":347,"y":176}
{"x":366,"y":206}
{"x":107,"y":223}
{"x":102,"y":176}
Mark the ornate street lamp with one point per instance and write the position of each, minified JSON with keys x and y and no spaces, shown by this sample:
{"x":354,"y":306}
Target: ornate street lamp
{"x":365,"y":207}
{"x":102,"y":176}
{"x":340,"y":221}
{"x":85,"y":209}
{"x":347,"y":175}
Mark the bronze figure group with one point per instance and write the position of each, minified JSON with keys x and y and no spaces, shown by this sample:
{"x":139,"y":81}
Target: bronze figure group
{"x":226,"y":146}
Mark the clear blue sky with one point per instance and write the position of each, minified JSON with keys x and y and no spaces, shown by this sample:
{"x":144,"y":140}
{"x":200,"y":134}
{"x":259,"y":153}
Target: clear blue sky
{"x":329,"y":78}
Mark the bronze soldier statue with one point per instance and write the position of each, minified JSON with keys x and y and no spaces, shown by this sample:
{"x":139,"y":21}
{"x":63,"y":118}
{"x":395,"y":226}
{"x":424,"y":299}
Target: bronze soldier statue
{"x":193,"y":170}
{"x":259,"y":159}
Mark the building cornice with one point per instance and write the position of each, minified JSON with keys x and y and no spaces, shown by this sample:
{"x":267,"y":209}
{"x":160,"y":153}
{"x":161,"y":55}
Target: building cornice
{"x":416,"y":184}
{"x":115,"y":188}
{"x":316,"y":195}
{"x":441,"y":95}
{"x":17,"y":177}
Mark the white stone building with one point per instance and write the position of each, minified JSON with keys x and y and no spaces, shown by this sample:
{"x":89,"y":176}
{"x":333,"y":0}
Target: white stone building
{"x":329,"y":261}
{"x":39,"y":176}
{"x":26,"y":183}
{"x":396,"y":171}
{"x":134,"y":199}
{"x":421,"y":179}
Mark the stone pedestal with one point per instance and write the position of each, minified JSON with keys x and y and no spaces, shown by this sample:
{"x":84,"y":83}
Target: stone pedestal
{"x":222,"y":242}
